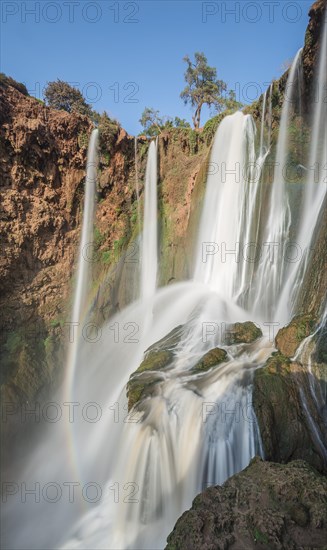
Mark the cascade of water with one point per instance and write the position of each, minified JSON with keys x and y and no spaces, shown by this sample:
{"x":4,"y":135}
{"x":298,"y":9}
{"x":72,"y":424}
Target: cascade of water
{"x":154,"y":453}
{"x":315,"y":190}
{"x":261,"y":146}
{"x":137,"y":187}
{"x":86,"y":241}
{"x":150,"y":234}
{"x":271,"y":271}
{"x":270,"y":115}
{"x":229,"y":208}
{"x":153,"y":467}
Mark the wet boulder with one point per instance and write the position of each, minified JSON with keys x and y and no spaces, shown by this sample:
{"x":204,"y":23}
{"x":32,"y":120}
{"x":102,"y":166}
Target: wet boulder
{"x":242,"y":333}
{"x":267,"y":505}
{"x":211,"y":359}
{"x":290,"y":337}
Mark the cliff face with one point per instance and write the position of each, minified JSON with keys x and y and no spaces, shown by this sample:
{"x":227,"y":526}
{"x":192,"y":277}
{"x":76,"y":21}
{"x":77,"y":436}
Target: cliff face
{"x":42,"y":173}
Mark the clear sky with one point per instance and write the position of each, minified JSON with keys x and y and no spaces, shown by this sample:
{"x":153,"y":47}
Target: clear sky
{"x":127,"y":55}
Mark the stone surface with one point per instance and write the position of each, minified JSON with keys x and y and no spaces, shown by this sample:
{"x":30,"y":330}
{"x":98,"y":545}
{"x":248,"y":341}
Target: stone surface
{"x":266,"y":506}
{"x":286,"y":410}
{"x":211,"y":359}
{"x":290,"y":337}
{"x":242,"y":333}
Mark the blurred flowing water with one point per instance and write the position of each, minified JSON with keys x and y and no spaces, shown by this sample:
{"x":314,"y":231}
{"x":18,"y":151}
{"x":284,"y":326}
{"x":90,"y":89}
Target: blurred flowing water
{"x":143,"y":468}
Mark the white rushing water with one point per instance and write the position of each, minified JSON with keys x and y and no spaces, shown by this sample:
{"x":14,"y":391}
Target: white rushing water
{"x":149,"y":254}
{"x":195,"y":429}
{"x":271,"y":273}
{"x":137,"y":186}
{"x":85,"y":254}
{"x":315,"y":188}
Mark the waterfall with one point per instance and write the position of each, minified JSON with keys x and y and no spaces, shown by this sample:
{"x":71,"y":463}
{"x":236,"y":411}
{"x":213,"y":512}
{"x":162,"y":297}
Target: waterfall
{"x":264,"y":148}
{"x":270,"y":115}
{"x":84,"y":257}
{"x":261,"y":149}
{"x":137,"y":187}
{"x":271,"y":272}
{"x":150,"y":232}
{"x":193,"y":429}
{"x":229,"y":208}
{"x":315,"y":189}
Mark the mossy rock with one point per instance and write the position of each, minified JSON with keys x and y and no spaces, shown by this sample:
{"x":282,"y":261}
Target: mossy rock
{"x":320,"y":354}
{"x":211,"y":359}
{"x":242,"y":333}
{"x":142,"y":381}
{"x":290,"y":337}
{"x":265,"y":506}
{"x":155,"y":360}
{"x":140,"y":387}
{"x":279,"y":389}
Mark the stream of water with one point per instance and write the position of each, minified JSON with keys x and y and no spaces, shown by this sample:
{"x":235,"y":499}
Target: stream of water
{"x":144,"y":468}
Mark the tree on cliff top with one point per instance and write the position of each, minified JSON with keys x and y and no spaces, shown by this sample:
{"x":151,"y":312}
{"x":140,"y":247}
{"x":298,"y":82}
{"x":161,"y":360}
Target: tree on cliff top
{"x":151,"y":121}
{"x":63,"y":96}
{"x":153,"y":124}
{"x":202,"y":88}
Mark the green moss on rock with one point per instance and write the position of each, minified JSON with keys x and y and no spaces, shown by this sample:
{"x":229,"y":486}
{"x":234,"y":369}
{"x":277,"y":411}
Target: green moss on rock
{"x":266,"y":506}
{"x":155,"y":360}
{"x":138,"y":388}
{"x":211,"y":359}
{"x":242,"y":333}
{"x":279,"y":389}
{"x":290,"y":337}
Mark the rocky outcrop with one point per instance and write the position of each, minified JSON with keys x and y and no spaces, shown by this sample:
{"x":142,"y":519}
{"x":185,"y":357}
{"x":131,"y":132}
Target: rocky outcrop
{"x":267,"y":505}
{"x":211,"y":359}
{"x":313,"y":36}
{"x":290,"y":337}
{"x":159,"y":357}
{"x":42,"y":172}
{"x":313,"y":291}
{"x":289,"y":395}
{"x":292,"y":421}
{"x":242,"y":333}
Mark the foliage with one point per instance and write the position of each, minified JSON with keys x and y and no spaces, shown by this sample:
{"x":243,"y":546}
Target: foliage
{"x":82,"y":140}
{"x":8,"y":81}
{"x":203,"y":87}
{"x":119,"y":245}
{"x":260,"y":537}
{"x":231,"y":102}
{"x":211,"y":126}
{"x":61,"y":95}
{"x":106,"y":257}
{"x":151,"y":122}
{"x":181,"y":123}
{"x":108,"y":130}
{"x":98,"y":237}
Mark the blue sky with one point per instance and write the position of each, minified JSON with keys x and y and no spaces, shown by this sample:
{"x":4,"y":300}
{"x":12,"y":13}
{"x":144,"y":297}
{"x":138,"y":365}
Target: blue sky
{"x":127,"y":55}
